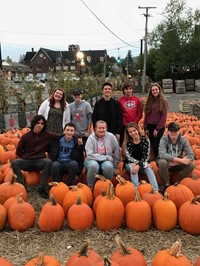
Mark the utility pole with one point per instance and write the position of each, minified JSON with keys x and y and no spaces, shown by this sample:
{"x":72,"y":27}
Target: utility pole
{"x":145,"y":46}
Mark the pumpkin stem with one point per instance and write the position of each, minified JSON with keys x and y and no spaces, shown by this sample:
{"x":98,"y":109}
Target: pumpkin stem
{"x":121,"y":245}
{"x":40,"y":259}
{"x":101,"y":177}
{"x":53,"y":183}
{"x":121,"y":180}
{"x":107,"y":262}
{"x":110,"y":192}
{"x":79,"y":201}
{"x":194,"y":177}
{"x":84,"y":250}
{"x":143,"y":182}
{"x":175,"y":249}
{"x":137,"y":195}
{"x":52,"y":199}
{"x":12,"y":181}
{"x":74,"y":188}
{"x":194,"y":201}
{"x":166,"y":196}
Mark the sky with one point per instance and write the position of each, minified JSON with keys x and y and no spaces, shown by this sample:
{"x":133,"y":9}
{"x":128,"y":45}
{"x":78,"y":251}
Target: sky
{"x":114,"y":25}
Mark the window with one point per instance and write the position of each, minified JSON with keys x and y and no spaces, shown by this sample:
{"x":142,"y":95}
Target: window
{"x":72,"y":68}
{"x":38,"y":67}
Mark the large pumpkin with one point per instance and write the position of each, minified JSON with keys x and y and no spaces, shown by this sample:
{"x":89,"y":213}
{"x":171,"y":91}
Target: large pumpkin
{"x":171,"y":257}
{"x":102,"y":183}
{"x":189,"y":216}
{"x":43,"y":259}
{"x":52,"y":216}
{"x":127,"y":256}
{"x":110,"y":211}
{"x":124,"y":190}
{"x":80,"y":216}
{"x":58,"y":190}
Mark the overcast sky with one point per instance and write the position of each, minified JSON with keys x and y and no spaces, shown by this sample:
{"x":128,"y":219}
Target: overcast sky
{"x":55,"y":24}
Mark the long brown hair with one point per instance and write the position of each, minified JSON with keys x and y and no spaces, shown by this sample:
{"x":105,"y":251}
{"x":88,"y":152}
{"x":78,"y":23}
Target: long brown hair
{"x":160,"y":100}
{"x":127,"y":137}
{"x":62,"y":101}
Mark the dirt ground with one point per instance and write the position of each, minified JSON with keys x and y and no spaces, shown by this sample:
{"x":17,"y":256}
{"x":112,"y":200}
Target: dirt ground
{"x":19,"y":247}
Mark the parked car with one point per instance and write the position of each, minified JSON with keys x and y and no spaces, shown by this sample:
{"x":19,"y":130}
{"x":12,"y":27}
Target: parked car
{"x":29,"y":79}
{"x":17,"y":79}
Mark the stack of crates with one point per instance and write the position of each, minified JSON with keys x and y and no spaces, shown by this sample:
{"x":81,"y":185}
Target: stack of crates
{"x":180,"y":86}
{"x":167,"y":85}
{"x":190,"y":85}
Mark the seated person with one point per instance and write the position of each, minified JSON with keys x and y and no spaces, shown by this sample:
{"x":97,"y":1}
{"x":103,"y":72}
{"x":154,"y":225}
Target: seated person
{"x":135,"y":153}
{"x":67,"y":155}
{"x":174,"y":155}
{"x":102,"y":153}
{"x":31,"y":152}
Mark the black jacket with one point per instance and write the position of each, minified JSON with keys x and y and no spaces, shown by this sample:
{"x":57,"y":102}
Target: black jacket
{"x":77,"y":152}
{"x":113,"y":115}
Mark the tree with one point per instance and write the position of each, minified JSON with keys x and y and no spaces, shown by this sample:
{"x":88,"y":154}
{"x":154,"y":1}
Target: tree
{"x":8,"y":59}
{"x":173,"y":40}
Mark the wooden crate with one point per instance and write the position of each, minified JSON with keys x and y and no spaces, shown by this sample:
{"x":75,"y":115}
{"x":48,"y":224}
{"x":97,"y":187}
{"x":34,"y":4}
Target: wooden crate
{"x":185,"y":105}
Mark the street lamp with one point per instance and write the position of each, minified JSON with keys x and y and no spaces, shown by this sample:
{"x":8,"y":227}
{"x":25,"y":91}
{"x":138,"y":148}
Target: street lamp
{"x":80,"y":57}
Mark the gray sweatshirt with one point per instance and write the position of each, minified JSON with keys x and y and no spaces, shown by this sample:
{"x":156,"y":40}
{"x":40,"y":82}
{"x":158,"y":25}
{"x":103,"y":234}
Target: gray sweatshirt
{"x":167,"y":150}
{"x":103,"y":149}
{"x":81,"y":116}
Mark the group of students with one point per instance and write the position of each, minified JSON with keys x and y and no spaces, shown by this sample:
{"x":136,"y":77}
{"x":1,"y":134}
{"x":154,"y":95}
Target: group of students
{"x":74,"y":137}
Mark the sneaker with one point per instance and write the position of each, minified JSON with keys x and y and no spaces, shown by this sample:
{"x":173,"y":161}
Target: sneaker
{"x":42,"y":192}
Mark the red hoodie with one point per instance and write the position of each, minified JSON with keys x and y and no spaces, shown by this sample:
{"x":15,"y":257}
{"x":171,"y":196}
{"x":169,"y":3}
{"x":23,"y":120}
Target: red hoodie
{"x":131,"y":109}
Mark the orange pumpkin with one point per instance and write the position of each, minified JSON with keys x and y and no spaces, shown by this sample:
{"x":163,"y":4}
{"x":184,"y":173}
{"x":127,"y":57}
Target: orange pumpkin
{"x":85,"y":256}
{"x":87,"y":191}
{"x":52,"y":216}
{"x":3,"y":218}
{"x":193,"y":183}
{"x":171,"y":257}
{"x":32,"y":178}
{"x":162,"y":210}
{"x":21,"y":215}
{"x":80,"y":216}
{"x":97,"y":200}
{"x":110,"y":211}
{"x":189,"y":216}
{"x":144,"y":187}
{"x":43,"y":259}
{"x":151,"y":197}
{"x":127,"y":256}
{"x":124,"y":190}
{"x":102,"y":183}
{"x":138,"y":214}
{"x":58,"y":190}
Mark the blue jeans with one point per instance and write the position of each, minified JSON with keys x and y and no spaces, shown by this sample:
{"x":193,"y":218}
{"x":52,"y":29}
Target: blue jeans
{"x":93,"y":167}
{"x":58,"y":169}
{"x":37,"y":165}
{"x":148,"y":171}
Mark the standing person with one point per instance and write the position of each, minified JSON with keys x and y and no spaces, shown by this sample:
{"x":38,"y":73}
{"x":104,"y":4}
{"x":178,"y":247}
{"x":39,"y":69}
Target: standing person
{"x":102,"y":153}
{"x":56,"y":111}
{"x":108,"y":110}
{"x":155,"y":111}
{"x":175,"y":155}
{"x":31,"y":152}
{"x":67,"y":155}
{"x":81,"y":115}
{"x":135,"y":153}
{"x":131,"y":107}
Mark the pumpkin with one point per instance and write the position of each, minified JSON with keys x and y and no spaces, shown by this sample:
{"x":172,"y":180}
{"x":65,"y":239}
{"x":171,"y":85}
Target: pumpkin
{"x":9,"y":202}
{"x":171,"y":257}
{"x":21,"y":215}
{"x":85,"y":256}
{"x":5,"y":262}
{"x":151,"y":197}
{"x":138,"y":214}
{"x":52,"y":216}
{"x":32,"y":178}
{"x":162,"y":210}
{"x":110,"y":211}
{"x":58,"y":190}
{"x":193,"y":183}
{"x":3,"y":217}
{"x":11,"y":189}
{"x":87,"y":191}
{"x":102,"y":183}
{"x":189,"y":216}
{"x":179,"y":193}
{"x":127,"y":256}
{"x":43,"y":259}
{"x":71,"y":198}
{"x":124,"y":190}
{"x":144,"y":187}
{"x":80,"y":216}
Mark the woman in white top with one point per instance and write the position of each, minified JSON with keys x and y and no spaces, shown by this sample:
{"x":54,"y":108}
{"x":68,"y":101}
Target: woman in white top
{"x":56,"y":111}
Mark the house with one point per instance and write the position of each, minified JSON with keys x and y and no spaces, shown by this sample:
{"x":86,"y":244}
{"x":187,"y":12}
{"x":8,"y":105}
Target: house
{"x":46,"y":60}
{"x":13,"y":69}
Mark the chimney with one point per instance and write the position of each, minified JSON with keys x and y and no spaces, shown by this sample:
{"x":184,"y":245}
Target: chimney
{"x":32,"y":50}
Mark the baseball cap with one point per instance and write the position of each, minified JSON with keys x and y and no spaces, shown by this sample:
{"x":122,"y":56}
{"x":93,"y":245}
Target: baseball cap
{"x":77,"y":91}
{"x":173,"y":126}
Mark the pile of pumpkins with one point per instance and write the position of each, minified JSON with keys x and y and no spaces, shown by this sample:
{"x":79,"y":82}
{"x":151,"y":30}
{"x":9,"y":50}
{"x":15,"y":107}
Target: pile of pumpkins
{"x":123,"y":256}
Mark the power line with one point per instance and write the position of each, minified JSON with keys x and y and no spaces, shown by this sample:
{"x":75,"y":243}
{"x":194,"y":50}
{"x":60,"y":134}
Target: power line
{"x":105,"y":24}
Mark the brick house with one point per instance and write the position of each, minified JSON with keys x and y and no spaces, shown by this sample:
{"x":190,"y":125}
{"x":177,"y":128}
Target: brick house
{"x":46,"y":60}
